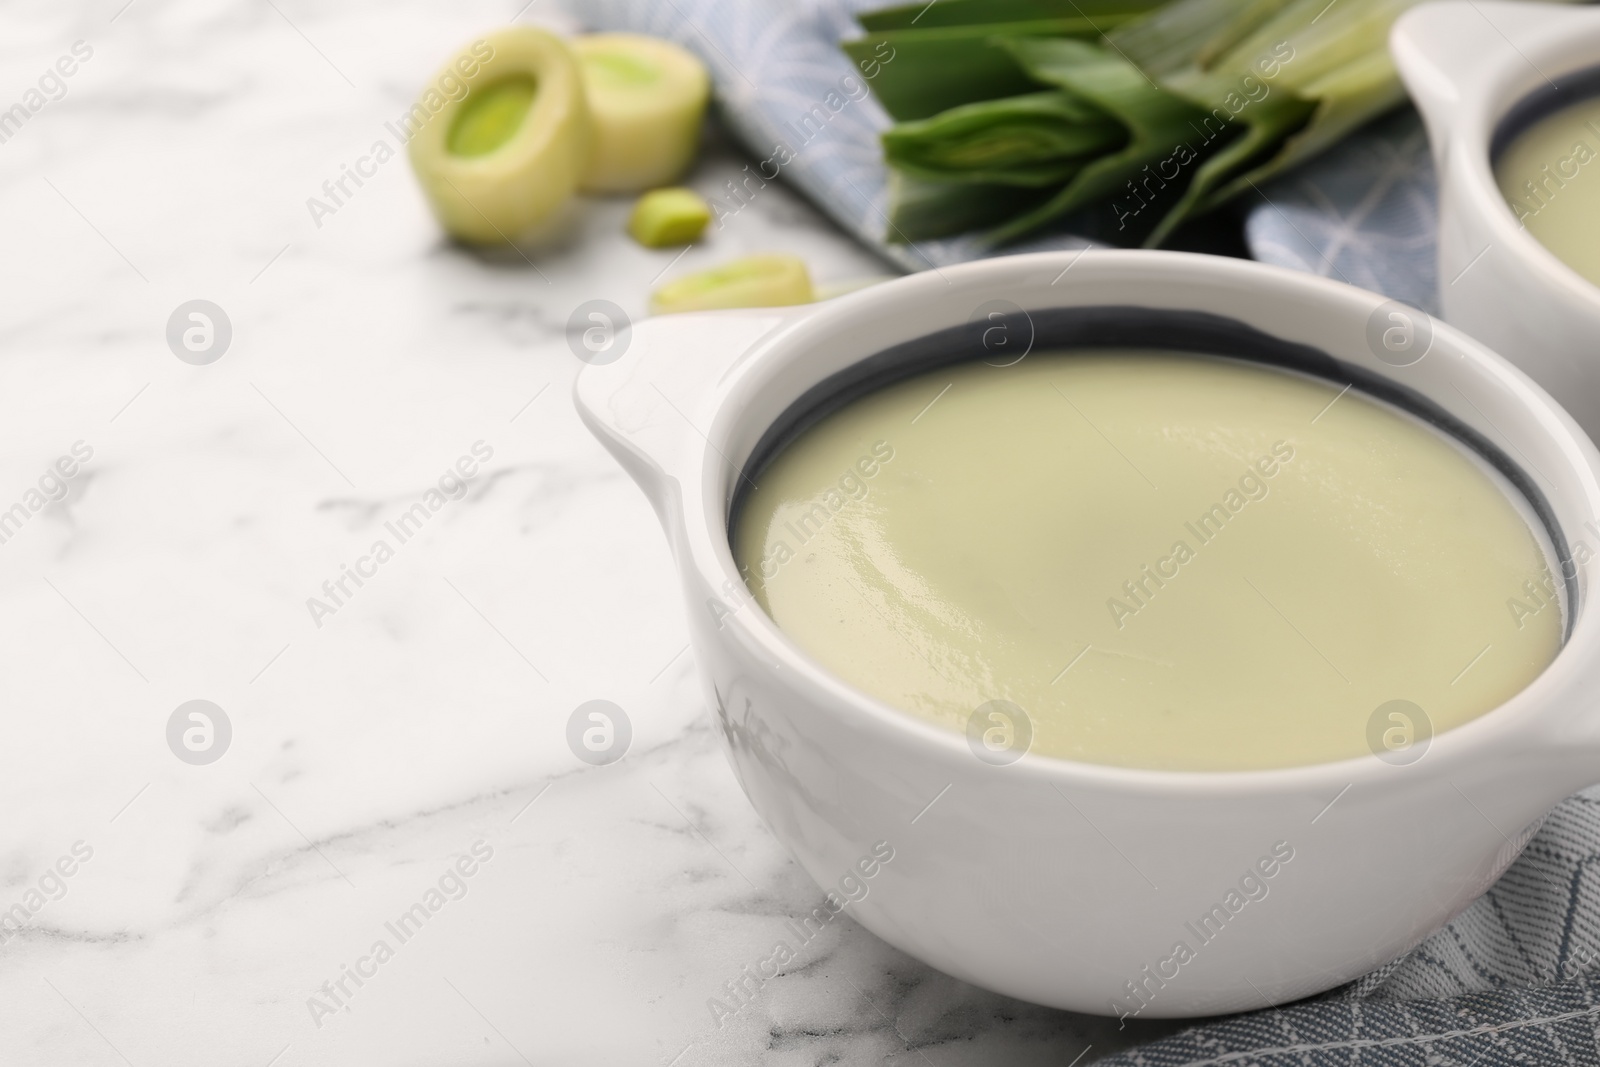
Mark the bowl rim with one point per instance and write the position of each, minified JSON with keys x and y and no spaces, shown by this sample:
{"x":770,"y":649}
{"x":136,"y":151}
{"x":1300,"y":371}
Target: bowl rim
{"x":1575,"y":664}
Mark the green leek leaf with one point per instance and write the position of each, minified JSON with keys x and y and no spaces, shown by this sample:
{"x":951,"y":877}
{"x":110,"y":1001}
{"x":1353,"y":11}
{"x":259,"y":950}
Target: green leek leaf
{"x":923,"y":210}
{"x":1160,"y":126}
{"x":1034,"y":140}
{"x":1347,"y":100}
{"x":1190,"y":33}
{"x":915,"y":74}
{"x":923,"y":15}
{"x":1268,"y":124}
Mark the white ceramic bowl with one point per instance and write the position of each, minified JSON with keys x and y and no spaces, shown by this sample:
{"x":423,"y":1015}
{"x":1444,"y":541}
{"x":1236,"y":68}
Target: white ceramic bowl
{"x":1064,"y":883}
{"x":1478,"y":71}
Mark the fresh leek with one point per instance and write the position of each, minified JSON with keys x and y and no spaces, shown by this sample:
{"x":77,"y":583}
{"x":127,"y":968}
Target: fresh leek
{"x":1120,"y":120}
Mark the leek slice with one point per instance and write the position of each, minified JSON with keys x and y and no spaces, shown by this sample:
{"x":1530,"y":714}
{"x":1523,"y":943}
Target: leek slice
{"x":646,"y":101}
{"x":752,"y":282}
{"x":507,"y":154}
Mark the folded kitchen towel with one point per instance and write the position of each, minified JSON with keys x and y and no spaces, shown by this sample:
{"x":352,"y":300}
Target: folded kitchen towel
{"x":1514,"y":979}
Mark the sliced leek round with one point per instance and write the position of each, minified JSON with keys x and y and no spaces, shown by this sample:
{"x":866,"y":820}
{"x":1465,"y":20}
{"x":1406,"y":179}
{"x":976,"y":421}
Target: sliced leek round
{"x":752,"y":282}
{"x":646,"y":99}
{"x":504,"y":156}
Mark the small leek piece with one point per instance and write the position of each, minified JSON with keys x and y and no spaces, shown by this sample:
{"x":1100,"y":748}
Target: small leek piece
{"x":666,"y":217}
{"x":752,"y":282}
{"x":508,"y":153}
{"x":646,"y":101}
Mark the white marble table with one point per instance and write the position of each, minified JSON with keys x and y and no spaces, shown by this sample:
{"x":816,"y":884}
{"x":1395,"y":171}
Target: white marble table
{"x":220,"y":904}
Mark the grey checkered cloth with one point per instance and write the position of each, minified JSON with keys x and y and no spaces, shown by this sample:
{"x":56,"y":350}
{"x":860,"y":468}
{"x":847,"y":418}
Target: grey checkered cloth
{"x":1515,"y":979}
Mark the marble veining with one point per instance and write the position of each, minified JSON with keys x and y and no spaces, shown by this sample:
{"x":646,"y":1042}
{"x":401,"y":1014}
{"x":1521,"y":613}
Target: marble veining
{"x":422,"y":721}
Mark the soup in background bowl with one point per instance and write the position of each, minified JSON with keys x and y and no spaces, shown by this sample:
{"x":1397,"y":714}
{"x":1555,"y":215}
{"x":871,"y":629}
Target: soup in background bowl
{"x":1506,"y":91}
{"x":1548,"y":173}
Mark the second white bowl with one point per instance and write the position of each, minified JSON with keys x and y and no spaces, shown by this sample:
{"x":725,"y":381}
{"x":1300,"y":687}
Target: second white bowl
{"x":1478,"y":72}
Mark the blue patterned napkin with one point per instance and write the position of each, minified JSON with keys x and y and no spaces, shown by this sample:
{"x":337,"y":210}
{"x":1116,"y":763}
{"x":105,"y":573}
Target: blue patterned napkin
{"x":1515,"y":979}
{"x":1364,"y":213}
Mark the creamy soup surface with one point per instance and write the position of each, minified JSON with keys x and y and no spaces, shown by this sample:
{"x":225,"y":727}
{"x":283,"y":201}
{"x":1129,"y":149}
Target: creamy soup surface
{"x":1550,"y":176}
{"x":1166,"y":561}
